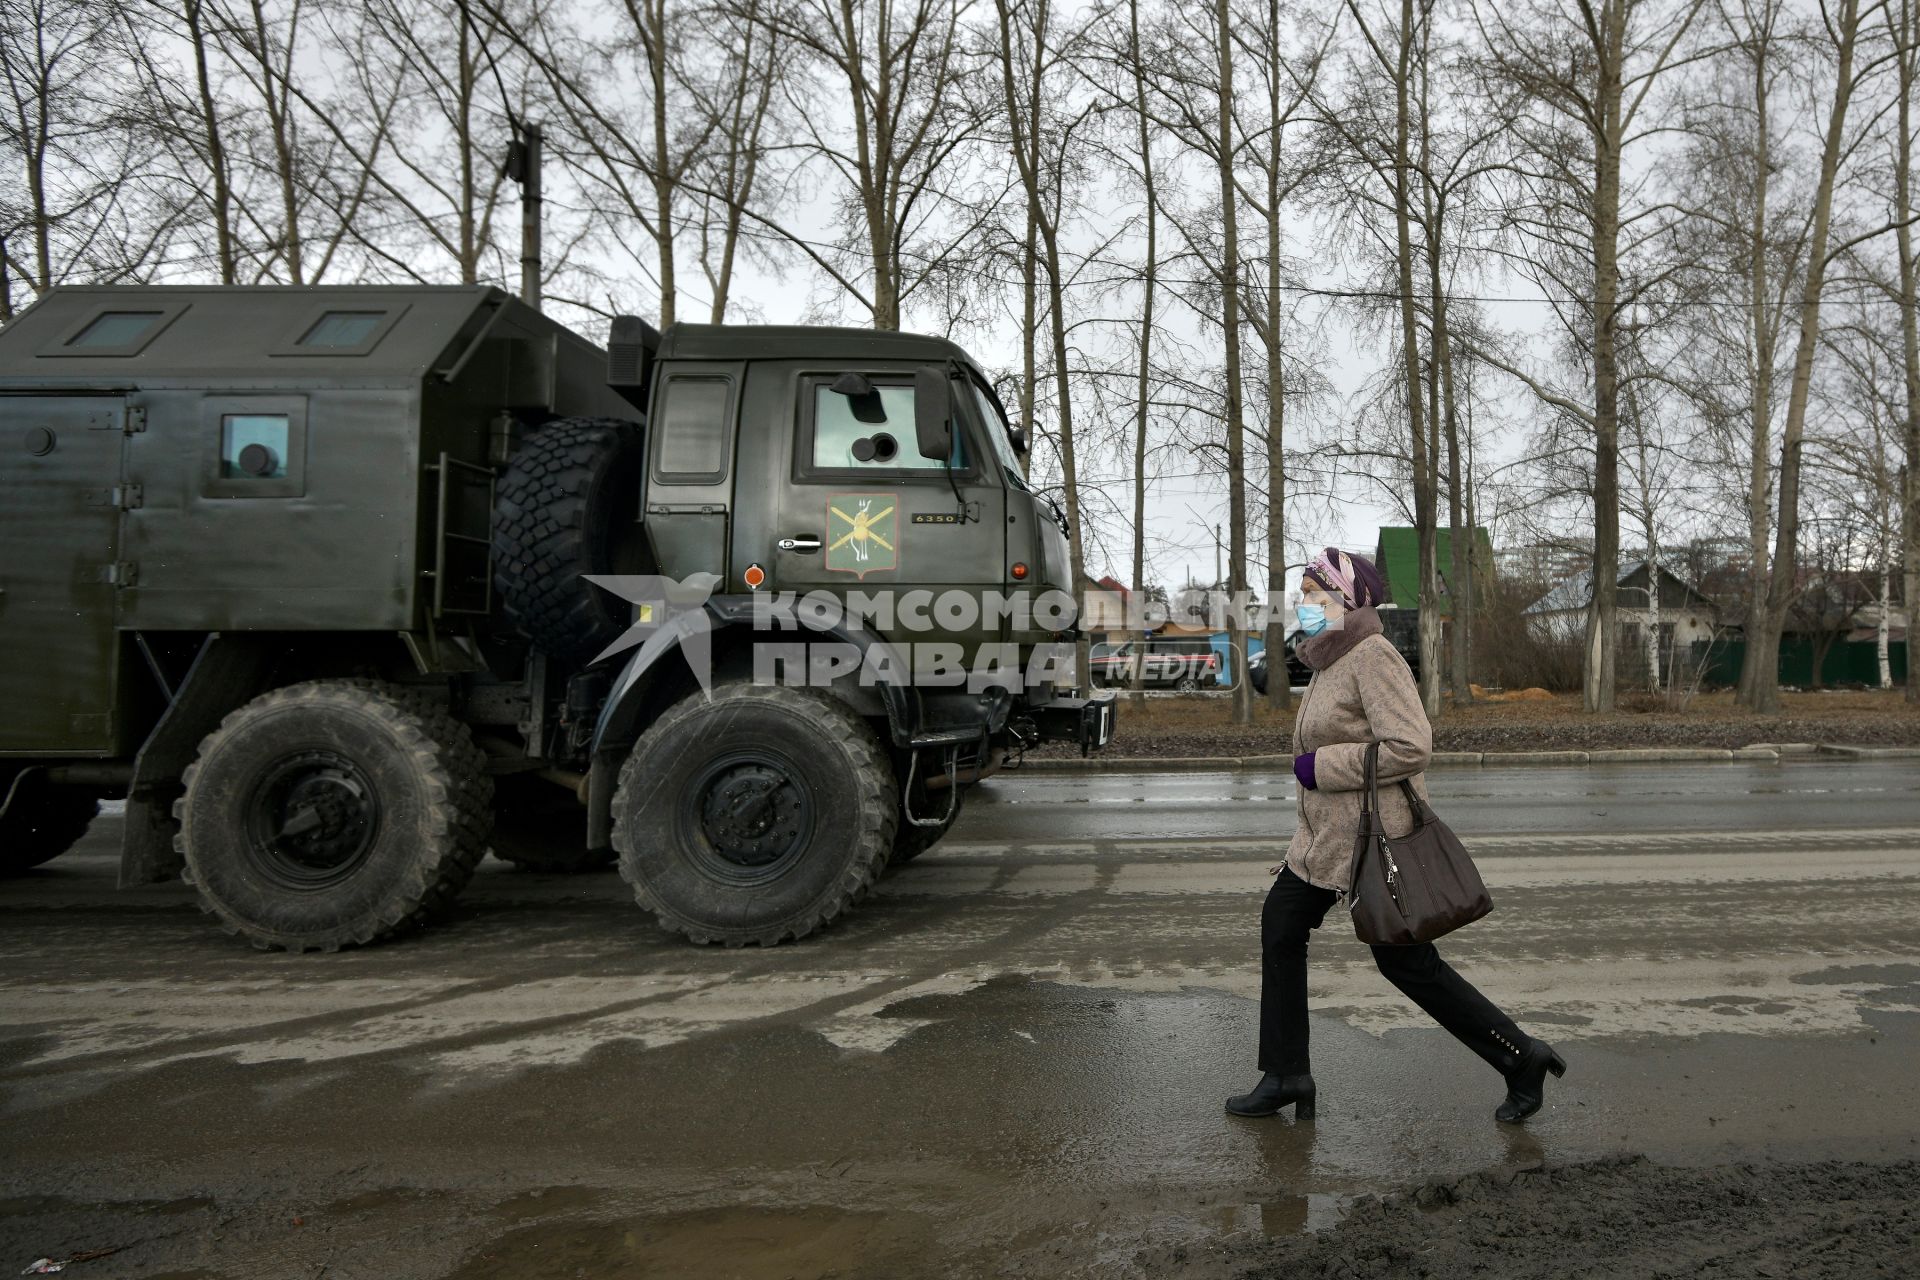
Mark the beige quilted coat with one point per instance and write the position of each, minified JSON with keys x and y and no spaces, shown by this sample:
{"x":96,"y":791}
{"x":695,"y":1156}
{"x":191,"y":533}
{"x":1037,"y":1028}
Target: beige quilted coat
{"x":1367,"y":693}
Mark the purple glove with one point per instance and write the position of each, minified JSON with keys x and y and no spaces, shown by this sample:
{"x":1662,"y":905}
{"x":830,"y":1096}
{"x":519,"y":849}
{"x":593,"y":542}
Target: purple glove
{"x":1303,"y":770}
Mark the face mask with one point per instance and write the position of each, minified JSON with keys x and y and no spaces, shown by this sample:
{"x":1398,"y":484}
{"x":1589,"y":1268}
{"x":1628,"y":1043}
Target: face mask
{"x":1313,"y":618}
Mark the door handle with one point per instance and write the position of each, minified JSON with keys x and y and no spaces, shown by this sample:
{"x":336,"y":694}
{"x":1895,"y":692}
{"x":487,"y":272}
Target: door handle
{"x":804,"y":542}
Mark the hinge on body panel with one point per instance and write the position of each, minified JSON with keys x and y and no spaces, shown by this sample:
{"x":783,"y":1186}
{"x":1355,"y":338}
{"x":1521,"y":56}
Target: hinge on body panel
{"x":136,"y":418}
{"x":129,"y":497}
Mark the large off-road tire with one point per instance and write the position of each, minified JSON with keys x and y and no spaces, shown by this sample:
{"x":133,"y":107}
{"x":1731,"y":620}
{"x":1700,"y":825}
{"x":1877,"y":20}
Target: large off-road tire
{"x":568,"y":505}
{"x":537,"y":826}
{"x":755,"y":816}
{"x":910,"y":841}
{"x":42,"y":823}
{"x":332,"y":814}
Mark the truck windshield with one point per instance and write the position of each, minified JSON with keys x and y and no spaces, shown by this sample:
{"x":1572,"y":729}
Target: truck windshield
{"x":998,"y":434}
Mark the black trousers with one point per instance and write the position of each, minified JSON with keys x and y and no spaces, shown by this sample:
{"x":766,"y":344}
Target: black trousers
{"x":1294,"y":909}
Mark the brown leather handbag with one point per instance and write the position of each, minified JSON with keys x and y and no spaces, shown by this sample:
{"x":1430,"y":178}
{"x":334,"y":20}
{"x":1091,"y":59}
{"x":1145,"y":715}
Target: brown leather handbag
{"x":1412,"y":888}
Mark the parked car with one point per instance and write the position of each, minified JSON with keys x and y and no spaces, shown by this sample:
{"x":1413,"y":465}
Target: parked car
{"x":1186,"y":664}
{"x":1297,"y":671}
{"x":1402,"y":626}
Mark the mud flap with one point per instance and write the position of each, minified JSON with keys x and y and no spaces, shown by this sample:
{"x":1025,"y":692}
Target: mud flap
{"x":228,"y":670}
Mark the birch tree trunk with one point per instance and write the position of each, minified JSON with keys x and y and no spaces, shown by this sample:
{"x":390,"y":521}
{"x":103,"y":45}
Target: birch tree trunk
{"x":1424,"y":506}
{"x":198,"y":38}
{"x":1909,"y":38}
{"x":1782,"y":584}
{"x":1142,"y":401}
{"x":650,"y":24}
{"x":1597,"y":691}
{"x":1230,"y":331}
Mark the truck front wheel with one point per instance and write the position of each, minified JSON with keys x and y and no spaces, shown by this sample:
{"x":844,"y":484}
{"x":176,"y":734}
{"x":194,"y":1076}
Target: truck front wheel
{"x":756,"y":815}
{"x":330,"y":814}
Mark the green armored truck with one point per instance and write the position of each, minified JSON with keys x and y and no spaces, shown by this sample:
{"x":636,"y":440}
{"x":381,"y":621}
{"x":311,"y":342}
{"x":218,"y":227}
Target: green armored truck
{"x":341,"y":587}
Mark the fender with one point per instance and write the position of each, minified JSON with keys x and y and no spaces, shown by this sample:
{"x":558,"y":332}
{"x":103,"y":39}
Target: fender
{"x":689,"y":634}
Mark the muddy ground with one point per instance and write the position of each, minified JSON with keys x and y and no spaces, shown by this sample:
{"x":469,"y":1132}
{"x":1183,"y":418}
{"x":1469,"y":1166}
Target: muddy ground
{"x":1009,"y":1060}
{"x":1625,"y":1216}
{"x":1199,"y":725}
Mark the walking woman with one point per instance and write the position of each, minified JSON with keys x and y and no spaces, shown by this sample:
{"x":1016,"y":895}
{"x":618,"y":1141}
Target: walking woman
{"x":1361,"y":691}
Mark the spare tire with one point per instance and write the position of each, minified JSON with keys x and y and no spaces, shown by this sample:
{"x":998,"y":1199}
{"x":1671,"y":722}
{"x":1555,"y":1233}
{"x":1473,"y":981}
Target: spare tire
{"x":569,"y":505}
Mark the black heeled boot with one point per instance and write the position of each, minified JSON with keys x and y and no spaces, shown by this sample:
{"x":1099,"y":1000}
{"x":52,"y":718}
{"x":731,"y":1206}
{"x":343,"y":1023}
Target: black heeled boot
{"x":1526,"y":1081}
{"x":1274,"y":1092}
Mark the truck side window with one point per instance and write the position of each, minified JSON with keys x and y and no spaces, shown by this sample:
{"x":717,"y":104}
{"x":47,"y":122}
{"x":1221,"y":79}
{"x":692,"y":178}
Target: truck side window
{"x":254,"y":446}
{"x":693,"y":430}
{"x":837,"y":432}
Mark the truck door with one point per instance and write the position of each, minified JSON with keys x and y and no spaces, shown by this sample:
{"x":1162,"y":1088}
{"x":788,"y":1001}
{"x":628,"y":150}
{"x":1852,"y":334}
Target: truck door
{"x":61,"y":492}
{"x":862,"y":511}
{"x":689,"y":494}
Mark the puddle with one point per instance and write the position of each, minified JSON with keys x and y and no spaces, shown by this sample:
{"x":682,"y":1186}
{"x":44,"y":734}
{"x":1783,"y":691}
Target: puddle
{"x":731,"y":1243}
{"x":1289,"y":1215}
{"x":379,"y":1200}
{"x":548,"y":1200}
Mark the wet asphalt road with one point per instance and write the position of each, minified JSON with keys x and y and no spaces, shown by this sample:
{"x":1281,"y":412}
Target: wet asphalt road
{"x":1009,"y":1060}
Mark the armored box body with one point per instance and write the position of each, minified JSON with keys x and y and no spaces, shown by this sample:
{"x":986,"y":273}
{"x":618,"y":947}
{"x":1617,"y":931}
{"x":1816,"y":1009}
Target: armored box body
{"x":250,"y":459}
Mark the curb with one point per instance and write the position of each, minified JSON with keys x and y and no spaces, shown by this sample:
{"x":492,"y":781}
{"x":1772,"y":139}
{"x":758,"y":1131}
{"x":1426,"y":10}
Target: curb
{"x":1454,"y":759}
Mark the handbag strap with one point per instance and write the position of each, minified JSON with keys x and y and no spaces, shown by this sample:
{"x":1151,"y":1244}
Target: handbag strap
{"x":1370,"y":797}
{"x":1370,"y":801}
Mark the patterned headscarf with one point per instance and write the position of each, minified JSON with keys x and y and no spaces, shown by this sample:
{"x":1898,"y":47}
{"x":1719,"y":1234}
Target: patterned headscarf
{"x":1352,"y":578}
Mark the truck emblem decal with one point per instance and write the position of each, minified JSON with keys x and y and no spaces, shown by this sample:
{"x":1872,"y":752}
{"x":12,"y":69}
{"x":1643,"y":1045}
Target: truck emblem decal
{"x":863,"y":533}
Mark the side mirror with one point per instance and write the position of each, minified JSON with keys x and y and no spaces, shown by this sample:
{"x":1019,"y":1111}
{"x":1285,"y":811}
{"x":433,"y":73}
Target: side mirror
{"x":933,"y":412}
{"x":1021,"y":442}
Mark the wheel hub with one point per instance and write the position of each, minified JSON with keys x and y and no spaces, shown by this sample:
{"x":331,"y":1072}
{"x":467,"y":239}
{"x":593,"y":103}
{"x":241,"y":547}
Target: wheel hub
{"x":752,"y":812}
{"x":311,"y":820}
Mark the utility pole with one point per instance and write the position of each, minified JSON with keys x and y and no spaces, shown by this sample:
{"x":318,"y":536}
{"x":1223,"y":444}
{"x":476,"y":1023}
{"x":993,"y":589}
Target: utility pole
{"x":523,"y":166}
{"x":1216,"y":556}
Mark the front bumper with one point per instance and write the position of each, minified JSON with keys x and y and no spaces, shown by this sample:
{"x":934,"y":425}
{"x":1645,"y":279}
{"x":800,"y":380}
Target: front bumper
{"x":1087,"y":721}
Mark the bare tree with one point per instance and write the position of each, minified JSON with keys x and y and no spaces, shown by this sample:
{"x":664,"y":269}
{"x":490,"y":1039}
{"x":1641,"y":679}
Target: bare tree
{"x":1844,"y":26}
{"x":899,"y":65}
{"x":1044,"y":118}
{"x":1286,"y":80}
{"x":81,"y":201}
{"x":1903,"y":16}
{"x":1580,"y":76}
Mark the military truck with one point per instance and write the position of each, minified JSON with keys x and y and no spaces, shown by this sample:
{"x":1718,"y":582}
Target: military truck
{"x":332,"y":584}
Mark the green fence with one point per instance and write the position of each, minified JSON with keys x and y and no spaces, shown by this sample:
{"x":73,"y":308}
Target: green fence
{"x":1846,"y":662}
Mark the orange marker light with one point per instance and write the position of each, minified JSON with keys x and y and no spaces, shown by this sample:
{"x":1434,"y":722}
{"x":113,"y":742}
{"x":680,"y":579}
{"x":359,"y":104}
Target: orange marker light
{"x":1019,"y":571}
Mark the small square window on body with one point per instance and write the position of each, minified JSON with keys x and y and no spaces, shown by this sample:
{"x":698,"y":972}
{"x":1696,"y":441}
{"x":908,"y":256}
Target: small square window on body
{"x":342,"y":329}
{"x":115,"y":329}
{"x":253,"y":446}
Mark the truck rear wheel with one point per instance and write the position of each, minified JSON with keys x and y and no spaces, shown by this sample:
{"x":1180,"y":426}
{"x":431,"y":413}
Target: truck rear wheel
{"x":756,"y":815}
{"x":330,"y":814}
{"x":568,"y":505}
{"x":42,"y":823}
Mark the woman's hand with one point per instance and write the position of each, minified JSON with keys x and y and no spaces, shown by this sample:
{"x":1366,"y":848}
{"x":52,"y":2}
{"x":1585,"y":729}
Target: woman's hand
{"x":1276,"y":868}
